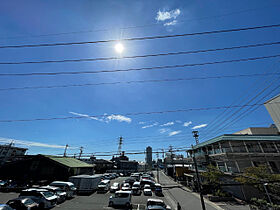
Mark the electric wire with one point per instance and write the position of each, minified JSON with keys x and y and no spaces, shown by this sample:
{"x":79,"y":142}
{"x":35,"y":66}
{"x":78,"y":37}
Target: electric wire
{"x":140,"y":69}
{"x":142,"y":38}
{"x":144,"y":56}
{"x":135,"y":81}
{"x":128,"y":114}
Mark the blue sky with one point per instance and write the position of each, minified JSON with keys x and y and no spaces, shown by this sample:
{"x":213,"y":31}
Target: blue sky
{"x":36,"y":22}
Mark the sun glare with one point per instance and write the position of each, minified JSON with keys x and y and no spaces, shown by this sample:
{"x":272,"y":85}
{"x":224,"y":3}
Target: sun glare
{"x":119,"y":48}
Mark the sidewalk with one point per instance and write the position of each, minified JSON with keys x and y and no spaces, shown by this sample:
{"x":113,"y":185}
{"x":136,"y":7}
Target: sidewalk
{"x":188,"y":196}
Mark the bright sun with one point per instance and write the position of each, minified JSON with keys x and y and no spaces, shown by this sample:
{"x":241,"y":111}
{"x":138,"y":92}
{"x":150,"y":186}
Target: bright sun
{"x":119,"y":48}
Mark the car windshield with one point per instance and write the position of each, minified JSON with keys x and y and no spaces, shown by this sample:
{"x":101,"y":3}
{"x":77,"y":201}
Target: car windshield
{"x":28,"y":202}
{"x":155,"y":203}
{"x":48,"y":194}
{"x":122,"y":195}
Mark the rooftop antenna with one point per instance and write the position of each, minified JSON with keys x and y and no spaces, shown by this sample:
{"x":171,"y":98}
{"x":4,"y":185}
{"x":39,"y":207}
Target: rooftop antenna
{"x":66,"y":146}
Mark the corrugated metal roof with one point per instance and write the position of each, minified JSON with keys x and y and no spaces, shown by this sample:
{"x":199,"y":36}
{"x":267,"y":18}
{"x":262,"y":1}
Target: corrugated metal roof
{"x":236,"y":137}
{"x":68,"y":161}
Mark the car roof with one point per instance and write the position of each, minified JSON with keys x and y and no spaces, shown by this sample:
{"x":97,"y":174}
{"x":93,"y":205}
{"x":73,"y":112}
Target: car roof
{"x":136,"y":183}
{"x":35,"y":189}
{"x":61,"y":182}
{"x":49,"y":187}
{"x":154,"y":200}
{"x":156,"y":207}
{"x":157,"y":184}
{"x":121,"y":191}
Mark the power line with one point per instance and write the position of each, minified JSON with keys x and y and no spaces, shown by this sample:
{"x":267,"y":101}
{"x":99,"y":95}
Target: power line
{"x":142,"y":38}
{"x":133,"y":27}
{"x":129,"y":114}
{"x":139,"y":69}
{"x":143,"y":56}
{"x":135,"y":81}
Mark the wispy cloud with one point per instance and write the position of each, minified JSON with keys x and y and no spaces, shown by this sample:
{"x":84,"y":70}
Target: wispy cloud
{"x":119,"y":118}
{"x":32,"y":143}
{"x":106,"y":118}
{"x":151,"y":125}
{"x":141,"y":123}
{"x":174,"y":133}
{"x":164,"y":130}
{"x":186,"y":124}
{"x":178,"y":121}
{"x":168,"y":17}
{"x":167,"y":124}
{"x":172,"y":23}
{"x":199,"y":126}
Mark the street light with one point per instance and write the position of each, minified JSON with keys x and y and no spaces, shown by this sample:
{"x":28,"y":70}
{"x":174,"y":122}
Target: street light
{"x":195,"y":135}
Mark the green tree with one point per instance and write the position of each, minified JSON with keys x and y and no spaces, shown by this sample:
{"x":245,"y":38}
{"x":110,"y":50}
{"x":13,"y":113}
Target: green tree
{"x":212,"y":179}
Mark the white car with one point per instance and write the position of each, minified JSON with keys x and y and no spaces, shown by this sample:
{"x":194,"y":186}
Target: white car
{"x":126,"y":187}
{"x":68,"y":187}
{"x":151,"y":202}
{"x":61,"y":195}
{"x":147,"y":190}
{"x":115,"y":187}
{"x":120,"y":198}
{"x":44,"y":198}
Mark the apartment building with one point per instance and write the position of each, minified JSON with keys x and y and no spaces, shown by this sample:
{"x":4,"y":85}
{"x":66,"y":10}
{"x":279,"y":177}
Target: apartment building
{"x":232,"y":153}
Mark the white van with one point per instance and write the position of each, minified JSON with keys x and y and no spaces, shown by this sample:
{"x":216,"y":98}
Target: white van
{"x":68,"y":187}
{"x":104,"y":186}
{"x":121,"y":198}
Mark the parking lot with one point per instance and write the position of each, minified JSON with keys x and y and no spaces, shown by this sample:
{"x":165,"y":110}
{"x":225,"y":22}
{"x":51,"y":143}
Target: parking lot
{"x":94,"y":201}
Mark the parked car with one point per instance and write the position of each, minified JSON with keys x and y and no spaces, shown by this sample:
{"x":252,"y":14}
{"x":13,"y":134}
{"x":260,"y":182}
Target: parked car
{"x":144,"y":182}
{"x":147,"y":190}
{"x":115,"y":187}
{"x":23,"y":204}
{"x":61,"y":195}
{"x":136,"y":189}
{"x":130,"y":180}
{"x":121,"y":198}
{"x":126,"y":187}
{"x":44,"y":198}
{"x":157,"y":202}
{"x":68,"y":187}
{"x":5,"y":207}
{"x":158,"y":189}
{"x":103,"y":186}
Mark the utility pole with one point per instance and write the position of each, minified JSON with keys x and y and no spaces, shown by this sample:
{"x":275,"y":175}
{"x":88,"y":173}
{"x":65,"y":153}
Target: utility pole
{"x":157,"y":169}
{"x":81,"y":152}
{"x":195,"y":135}
{"x":172,"y":163}
{"x":66,"y":146}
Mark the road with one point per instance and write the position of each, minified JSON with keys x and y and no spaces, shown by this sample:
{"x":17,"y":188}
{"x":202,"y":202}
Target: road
{"x":174,"y":193}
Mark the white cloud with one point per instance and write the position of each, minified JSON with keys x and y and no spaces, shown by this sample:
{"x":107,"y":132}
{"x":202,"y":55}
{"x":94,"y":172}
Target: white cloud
{"x":186,"y":124}
{"x":141,"y":123}
{"x":163,"y":130}
{"x":174,"y":133}
{"x":167,"y":15}
{"x":199,"y":126}
{"x":85,"y":116}
{"x":119,"y":118}
{"x":178,"y":121}
{"x":172,"y":23}
{"x":167,"y":124}
{"x":105,"y":118}
{"x":149,"y":126}
{"x":32,"y":143}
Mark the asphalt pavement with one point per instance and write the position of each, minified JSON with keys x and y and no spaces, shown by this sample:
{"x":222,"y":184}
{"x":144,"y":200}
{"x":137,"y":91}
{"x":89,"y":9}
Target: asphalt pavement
{"x":174,"y":194}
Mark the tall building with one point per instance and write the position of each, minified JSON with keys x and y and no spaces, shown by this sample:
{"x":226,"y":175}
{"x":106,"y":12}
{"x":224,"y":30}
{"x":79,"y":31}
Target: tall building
{"x":273,"y":107}
{"x":149,"y":156}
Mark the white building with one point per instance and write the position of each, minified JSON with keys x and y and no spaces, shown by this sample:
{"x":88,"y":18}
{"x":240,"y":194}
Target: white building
{"x":273,"y":107}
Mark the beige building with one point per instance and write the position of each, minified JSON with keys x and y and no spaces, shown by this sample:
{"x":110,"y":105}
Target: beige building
{"x":272,"y":130}
{"x":273,"y":107}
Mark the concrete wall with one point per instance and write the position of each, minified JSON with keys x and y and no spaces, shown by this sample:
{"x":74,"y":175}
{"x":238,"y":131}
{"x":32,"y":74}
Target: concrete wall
{"x":259,"y":131}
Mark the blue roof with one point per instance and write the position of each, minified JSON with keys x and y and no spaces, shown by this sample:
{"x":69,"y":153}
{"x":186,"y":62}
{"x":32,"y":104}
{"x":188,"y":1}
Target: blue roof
{"x":239,"y":137}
